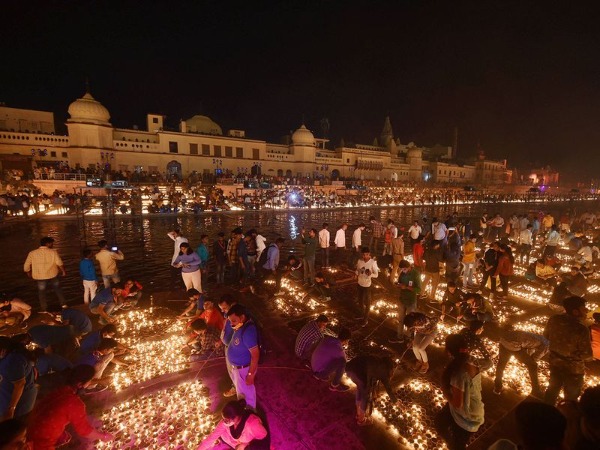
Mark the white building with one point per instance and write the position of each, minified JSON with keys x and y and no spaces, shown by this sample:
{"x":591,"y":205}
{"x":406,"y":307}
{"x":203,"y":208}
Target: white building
{"x":27,"y":137}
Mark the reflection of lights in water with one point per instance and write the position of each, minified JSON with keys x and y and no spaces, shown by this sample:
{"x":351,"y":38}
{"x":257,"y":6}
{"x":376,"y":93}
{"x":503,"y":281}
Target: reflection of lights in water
{"x":176,"y":418}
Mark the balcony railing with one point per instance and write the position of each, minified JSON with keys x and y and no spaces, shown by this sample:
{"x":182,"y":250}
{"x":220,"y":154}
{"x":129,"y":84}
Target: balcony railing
{"x":63,"y":176}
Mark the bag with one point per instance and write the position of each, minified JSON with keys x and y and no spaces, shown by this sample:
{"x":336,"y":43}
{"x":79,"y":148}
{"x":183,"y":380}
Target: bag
{"x":264,"y":256}
{"x":262,"y":352}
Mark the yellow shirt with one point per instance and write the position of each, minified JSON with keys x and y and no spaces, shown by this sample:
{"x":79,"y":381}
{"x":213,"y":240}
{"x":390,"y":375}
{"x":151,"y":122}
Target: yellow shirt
{"x":43,"y":263}
{"x":469,"y":252}
{"x":108,"y":261}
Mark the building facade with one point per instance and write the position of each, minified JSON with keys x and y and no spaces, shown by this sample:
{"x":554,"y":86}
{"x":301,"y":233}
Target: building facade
{"x":200,"y":146}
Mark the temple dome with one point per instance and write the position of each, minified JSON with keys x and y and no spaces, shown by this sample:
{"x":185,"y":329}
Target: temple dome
{"x":203,"y":124}
{"x":87,"y":109}
{"x":303,"y":136}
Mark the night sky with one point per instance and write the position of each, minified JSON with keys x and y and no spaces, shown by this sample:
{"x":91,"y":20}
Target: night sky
{"x":521,"y":78}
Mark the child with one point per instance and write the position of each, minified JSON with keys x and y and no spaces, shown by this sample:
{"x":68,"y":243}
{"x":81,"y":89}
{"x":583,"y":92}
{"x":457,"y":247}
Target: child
{"x":88,"y":275}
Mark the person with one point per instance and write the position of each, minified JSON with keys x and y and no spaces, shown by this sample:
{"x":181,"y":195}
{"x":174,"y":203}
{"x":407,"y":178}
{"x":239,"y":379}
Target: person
{"x":490,"y":264}
{"x":574,"y":283}
{"x":203,"y":340}
{"x":309,"y":337}
{"x":483,"y":226}
{"x":239,"y":428}
{"x":62,"y":408}
{"x":468,"y":261}
{"x":91,"y":341}
{"x":88,"y":276}
{"x":397,"y":256}
{"x":366,"y":270}
{"x":78,"y":321}
{"x":418,"y":251}
{"x":463,"y":414}
{"x":389,"y":233}
{"x":424,"y":330}
{"x":294,"y":268}
{"x":203,"y":254}
{"x":570,"y":348}
{"x":552,"y":240}
{"x":340,"y":242}
{"x":131,"y":293}
{"x":18,"y":390}
{"x":99,"y":359}
{"x":477,"y":308}
{"x":226,"y":302}
{"x":232,"y":254}
{"x":196,"y":300}
{"x":310,"y":250}
{"x":189,"y":263}
{"x":13,"y":310}
{"x":271,"y":266}
{"x":44,"y":265}
{"x":414,"y":232}
{"x":477,"y":349}
{"x":105,"y":302}
{"x":243,"y":259}
{"x":504,"y":269}
{"x":220,"y":255}
{"x":13,"y":435}
{"x":260,"y":244}
{"x":357,"y":238}
{"x":212,"y":316}
{"x":433,"y":258}
{"x":366,"y":371}
{"x":178,"y":239}
{"x":243,"y":353}
{"x":497,"y":228}
{"x":52,"y":338}
{"x":595,"y":335}
{"x":376,"y":234}
{"x":108,"y":263}
{"x":544,"y":272}
{"x":324,"y":244}
{"x":525,"y":244}
{"x":328,"y":360}
{"x":583,"y":421}
{"x":527,"y":348}
{"x":323,"y":286}
{"x":452,"y":300}
{"x":547,"y":222}
{"x":409,"y":283}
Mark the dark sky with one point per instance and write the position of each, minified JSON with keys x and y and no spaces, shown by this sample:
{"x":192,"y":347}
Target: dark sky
{"x":522,"y":78}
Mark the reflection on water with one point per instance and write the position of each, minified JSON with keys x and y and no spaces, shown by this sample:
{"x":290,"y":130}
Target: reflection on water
{"x":148,"y":250}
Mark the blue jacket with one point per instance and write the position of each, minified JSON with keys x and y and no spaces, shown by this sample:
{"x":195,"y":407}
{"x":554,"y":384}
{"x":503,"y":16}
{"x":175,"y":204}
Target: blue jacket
{"x":87,"y":270}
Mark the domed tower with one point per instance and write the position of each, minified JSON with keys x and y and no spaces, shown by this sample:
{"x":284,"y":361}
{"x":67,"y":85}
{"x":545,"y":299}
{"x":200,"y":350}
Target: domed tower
{"x":304,"y":146}
{"x":414,"y":159}
{"x":89,"y":124}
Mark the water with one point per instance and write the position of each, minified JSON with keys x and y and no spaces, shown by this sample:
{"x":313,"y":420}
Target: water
{"x":148,"y":249}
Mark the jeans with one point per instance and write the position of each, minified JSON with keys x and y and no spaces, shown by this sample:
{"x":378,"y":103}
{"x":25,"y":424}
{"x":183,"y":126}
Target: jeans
{"x":489,"y":274}
{"x":107,"y":279}
{"x":523,"y":253}
{"x":362,"y":393}
{"x":420,"y":343}
{"x":192,"y":280}
{"x":89,"y":290}
{"x":403,"y":310}
{"x":108,"y":308}
{"x":309,"y":269}
{"x":252,"y":265}
{"x":220,"y":272}
{"x":325,"y":257}
{"x":364,"y":301}
{"x":504,"y":356}
{"x":455,"y":436}
{"x":571,"y":383}
{"x":469,"y":268}
{"x":504,"y":283}
{"x":248,"y":392}
{"x":373,"y":244}
{"x":335,"y":366}
{"x":55,"y":284}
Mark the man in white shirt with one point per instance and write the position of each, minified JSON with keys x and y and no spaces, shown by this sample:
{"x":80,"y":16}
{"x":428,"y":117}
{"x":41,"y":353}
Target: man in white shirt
{"x":340,"y":243}
{"x":366,"y":269}
{"x":525,"y":244}
{"x":439,"y":230}
{"x":324,"y":239}
{"x":357,"y":237}
{"x":178,"y":239}
{"x":414,"y":232}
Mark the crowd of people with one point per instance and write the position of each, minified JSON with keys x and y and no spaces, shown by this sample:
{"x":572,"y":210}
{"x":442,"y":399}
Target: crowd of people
{"x":470,"y":259}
